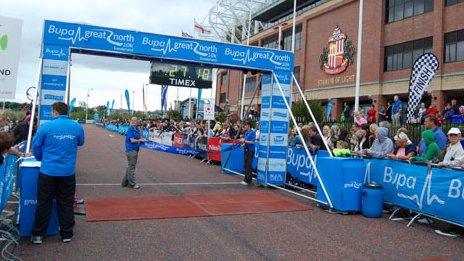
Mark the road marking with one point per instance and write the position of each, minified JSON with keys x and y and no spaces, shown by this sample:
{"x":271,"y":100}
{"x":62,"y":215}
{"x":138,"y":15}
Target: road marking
{"x":163,"y":184}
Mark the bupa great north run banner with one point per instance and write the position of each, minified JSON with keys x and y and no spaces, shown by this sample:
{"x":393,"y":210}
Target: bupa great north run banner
{"x":113,"y":40}
{"x":435,"y":191}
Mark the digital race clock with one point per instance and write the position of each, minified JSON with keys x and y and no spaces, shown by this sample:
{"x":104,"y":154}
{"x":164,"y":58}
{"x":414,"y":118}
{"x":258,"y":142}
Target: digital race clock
{"x":182,"y":75}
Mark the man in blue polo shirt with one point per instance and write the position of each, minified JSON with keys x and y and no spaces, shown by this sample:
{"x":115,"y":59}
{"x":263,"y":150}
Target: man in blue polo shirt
{"x":249,"y":146}
{"x":396,"y":110}
{"x":55,"y":144}
{"x":133,"y":140}
{"x":430,"y":123}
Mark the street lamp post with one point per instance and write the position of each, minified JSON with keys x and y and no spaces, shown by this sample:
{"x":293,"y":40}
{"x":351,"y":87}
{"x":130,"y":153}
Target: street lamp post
{"x":87,"y":103}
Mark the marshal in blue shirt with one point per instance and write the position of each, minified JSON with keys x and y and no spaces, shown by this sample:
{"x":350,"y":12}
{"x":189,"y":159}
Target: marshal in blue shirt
{"x":250,"y":135}
{"x":55,"y":144}
{"x":132,"y":133}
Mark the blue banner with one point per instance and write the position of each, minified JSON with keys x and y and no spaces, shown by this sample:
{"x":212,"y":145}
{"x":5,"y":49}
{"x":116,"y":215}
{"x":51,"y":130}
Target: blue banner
{"x":435,"y":191}
{"x":165,"y":47}
{"x":164,"y":100}
{"x":126,"y":93}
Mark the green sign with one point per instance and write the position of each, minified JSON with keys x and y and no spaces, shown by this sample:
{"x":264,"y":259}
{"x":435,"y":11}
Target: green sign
{"x":3,"y":42}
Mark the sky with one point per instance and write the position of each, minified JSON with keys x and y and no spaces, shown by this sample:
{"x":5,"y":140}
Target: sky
{"x":108,"y":77}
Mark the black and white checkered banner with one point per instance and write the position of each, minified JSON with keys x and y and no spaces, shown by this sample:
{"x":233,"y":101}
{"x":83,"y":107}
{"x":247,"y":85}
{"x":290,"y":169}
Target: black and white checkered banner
{"x":422,"y":73}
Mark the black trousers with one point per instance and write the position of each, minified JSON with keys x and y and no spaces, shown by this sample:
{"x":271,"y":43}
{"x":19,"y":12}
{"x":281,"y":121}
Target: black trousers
{"x":249,"y":154}
{"x":63,"y":189}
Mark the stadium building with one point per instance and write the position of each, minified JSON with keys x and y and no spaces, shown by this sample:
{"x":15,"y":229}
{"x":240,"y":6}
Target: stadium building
{"x":395,"y":33}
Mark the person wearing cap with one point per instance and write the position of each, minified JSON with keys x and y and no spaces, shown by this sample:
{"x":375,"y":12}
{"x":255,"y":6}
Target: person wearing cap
{"x":404,"y":148}
{"x":454,"y":156}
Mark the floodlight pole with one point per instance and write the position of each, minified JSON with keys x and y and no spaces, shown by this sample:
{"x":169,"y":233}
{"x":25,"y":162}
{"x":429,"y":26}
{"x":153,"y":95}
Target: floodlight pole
{"x":358,"y":56}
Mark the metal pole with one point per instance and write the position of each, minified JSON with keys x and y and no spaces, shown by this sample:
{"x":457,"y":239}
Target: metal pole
{"x":31,"y":124}
{"x":312,"y":115}
{"x":294,"y":26}
{"x":242,"y":106}
{"x":358,"y":56}
{"x":190,"y":104}
{"x":3,"y":105}
{"x":133,"y":102}
{"x":304,"y":143}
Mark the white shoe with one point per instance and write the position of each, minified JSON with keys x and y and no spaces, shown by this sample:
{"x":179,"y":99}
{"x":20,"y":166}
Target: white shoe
{"x":244,"y":183}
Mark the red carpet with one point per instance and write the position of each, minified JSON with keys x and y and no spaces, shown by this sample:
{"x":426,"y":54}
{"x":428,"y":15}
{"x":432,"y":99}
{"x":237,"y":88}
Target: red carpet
{"x":153,"y":207}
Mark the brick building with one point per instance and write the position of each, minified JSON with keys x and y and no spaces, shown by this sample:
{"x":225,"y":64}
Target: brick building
{"x":395,"y":33}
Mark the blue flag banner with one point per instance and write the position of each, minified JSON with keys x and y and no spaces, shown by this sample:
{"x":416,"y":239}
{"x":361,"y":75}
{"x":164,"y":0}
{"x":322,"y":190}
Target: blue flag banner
{"x":107,"y":108}
{"x":164,"y":97}
{"x":434,"y":191}
{"x":127,"y":100}
{"x":71,"y":104}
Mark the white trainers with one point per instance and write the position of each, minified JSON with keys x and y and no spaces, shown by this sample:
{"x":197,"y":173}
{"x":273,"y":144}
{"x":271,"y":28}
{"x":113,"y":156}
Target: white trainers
{"x":37,"y":240}
{"x":244,"y":183}
{"x":446,"y":233}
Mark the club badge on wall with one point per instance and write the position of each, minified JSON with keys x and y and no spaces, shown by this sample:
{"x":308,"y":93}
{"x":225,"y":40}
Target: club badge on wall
{"x":338,"y":54}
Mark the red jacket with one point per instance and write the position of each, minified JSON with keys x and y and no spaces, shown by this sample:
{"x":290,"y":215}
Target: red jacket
{"x":371,"y":115}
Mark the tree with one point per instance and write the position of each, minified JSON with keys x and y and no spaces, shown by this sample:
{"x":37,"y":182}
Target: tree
{"x":301,"y":112}
{"x":174,"y":115}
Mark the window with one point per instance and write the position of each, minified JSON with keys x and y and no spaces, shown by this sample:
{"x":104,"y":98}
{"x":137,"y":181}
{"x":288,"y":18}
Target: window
{"x":453,"y":2}
{"x":224,"y":78}
{"x":296,"y":72}
{"x":287,"y":38}
{"x":222,"y":97}
{"x":454,"y":46}
{"x":397,"y":10}
{"x":402,"y":56}
{"x":270,"y":43}
{"x":250,"y":84}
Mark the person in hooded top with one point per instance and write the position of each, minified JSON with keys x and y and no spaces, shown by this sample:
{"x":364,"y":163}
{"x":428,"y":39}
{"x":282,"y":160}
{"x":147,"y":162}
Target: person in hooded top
{"x":382,"y":145}
{"x":432,"y":151}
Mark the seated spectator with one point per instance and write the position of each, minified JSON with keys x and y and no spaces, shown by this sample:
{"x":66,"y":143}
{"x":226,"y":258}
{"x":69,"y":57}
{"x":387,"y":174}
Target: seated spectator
{"x":371,"y":134}
{"x":316,"y":142}
{"x":432,"y":151}
{"x":454,"y":156}
{"x":327,"y":132}
{"x":382,"y":144}
{"x":385,"y":124}
{"x":361,"y":142}
{"x":225,"y":130}
{"x":404,"y":148}
{"x":343,"y":136}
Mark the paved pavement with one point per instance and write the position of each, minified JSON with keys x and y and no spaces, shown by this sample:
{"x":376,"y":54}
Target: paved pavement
{"x":307,"y":235}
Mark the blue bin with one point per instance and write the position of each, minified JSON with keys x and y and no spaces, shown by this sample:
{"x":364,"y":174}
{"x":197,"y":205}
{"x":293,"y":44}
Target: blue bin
{"x":372,"y":200}
{"x":232,"y":157}
{"x":28,"y":174}
{"x":343,"y":179}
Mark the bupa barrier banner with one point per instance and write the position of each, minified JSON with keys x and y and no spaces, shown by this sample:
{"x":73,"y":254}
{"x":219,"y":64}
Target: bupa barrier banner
{"x":162,"y":137}
{"x":10,"y":45}
{"x":435,"y":191}
{"x":423,"y":70}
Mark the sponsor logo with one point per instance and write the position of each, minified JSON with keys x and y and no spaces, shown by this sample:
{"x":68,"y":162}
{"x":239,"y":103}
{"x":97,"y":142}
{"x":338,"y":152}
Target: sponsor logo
{"x":279,"y":139}
{"x":28,"y":202}
{"x":456,"y":190}
{"x":55,"y":52}
{"x":245,"y":57}
{"x":121,"y":42}
{"x":339,"y":53}
{"x":64,"y":137}
{"x":279,"y":115}
{"x":208,"y":52}
{"x":53,"y":97}
{"x":353,"y":184}
{"x":302,"y":164}
{"x":404,"y":182}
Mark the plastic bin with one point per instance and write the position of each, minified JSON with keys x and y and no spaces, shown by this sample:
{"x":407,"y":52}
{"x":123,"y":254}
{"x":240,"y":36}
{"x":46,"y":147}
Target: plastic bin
{"x":372,"y":200}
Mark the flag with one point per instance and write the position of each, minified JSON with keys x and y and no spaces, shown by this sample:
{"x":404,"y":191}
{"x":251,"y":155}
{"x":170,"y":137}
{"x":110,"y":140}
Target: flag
{"x":143,"y":98}
{"x":107,"y":108}
{"x":200,"y":90}
{"x":186,"y":35}
{"x":423,"y":70}
{"x":112,"y":105}
{"x":127,"y":100}
{"x":200,"y":29}
{"x":164,"y":98}
{"x":71,"y":104}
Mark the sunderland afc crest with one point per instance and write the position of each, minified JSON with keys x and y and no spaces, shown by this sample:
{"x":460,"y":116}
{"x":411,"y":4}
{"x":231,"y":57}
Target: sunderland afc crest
{"x":339,"y":53}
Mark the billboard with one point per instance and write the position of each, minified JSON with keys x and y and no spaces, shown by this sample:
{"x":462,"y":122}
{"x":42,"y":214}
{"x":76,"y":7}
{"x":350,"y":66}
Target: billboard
{"x":10,"y":43}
